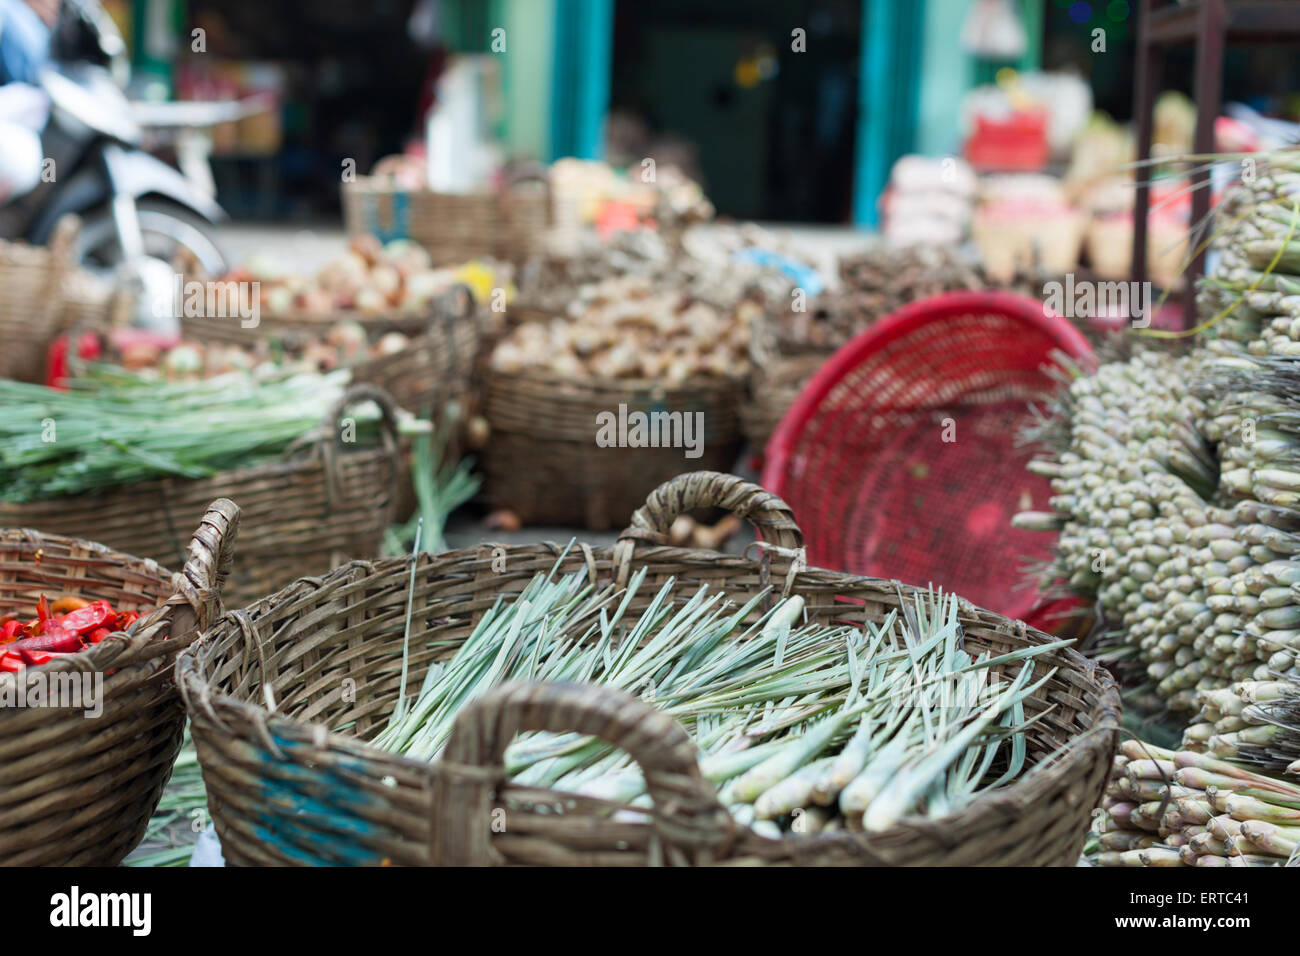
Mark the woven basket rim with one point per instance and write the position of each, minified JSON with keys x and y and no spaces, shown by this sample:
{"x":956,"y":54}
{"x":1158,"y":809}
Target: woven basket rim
{"x":240,"y":475}
{"x":543,"y":377}
{"x":334,"y":316}
{"x":198,"y":691}
{"x":379,"y":186}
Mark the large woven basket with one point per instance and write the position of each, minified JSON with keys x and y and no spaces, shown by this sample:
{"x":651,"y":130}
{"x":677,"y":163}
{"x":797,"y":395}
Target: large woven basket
{"x":31,"y":309}
{"x":543,"y":463}
{"x":771,"y":392}
{"x":93,"y":304}
{"x":436,"y":366}
{"x":325,"y":503}
{"x":283,"y":696}
{"x":78,"y":790}
{"x":507,"y":224}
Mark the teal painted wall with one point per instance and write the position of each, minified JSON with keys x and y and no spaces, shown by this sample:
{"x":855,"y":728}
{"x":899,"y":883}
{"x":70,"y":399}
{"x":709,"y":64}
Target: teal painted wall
{"x":527,"y":76}
{"x":945,"y":74}
{"x":947,"y":71}
{"x":889,"y":79}
{"x":583,"y":43}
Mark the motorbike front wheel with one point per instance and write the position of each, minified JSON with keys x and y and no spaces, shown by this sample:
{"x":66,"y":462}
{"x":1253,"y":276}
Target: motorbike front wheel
{"x":167,"y":228}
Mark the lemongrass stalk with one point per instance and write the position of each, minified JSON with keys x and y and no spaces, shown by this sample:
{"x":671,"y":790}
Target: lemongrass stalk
{"x":1272,"y":838}
{"x":846,"y":765}
{"x":1241,"y":807}
{"x":794,"y":792}
{"x":753,"y":782}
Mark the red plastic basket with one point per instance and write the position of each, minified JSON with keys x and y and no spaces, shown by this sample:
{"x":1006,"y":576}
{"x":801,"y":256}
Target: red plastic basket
{"x":900,"y":456}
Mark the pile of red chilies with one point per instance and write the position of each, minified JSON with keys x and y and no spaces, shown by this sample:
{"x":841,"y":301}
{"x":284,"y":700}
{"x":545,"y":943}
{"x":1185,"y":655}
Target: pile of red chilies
{"x":67,"y":627}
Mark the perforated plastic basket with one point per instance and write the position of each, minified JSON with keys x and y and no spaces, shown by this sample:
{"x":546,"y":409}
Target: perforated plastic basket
{"x":900,"y":457}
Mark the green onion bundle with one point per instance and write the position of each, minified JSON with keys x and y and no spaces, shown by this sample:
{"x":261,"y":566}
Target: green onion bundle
{"x":113,"y":429}
{"x":805,"y":728}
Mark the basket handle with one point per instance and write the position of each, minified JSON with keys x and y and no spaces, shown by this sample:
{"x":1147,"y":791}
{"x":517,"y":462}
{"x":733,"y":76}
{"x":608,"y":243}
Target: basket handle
{"x":455,"y":304}
{"x":705,"y":489}
{"x":525,"y":172}
{"x":449,"y":313}
{"x":328,"y":442}
{"x":690,"y":822}
{"x":197,"y":601}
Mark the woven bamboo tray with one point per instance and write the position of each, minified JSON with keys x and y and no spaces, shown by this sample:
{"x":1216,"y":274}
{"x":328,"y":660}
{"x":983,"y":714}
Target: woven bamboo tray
{"x":508,"y":224}
{"x":76,"y":791}
{"x":31,"y":312}
{"x":283,"y":695}
{"x":324,"y":503}
{"x":542,"y":461}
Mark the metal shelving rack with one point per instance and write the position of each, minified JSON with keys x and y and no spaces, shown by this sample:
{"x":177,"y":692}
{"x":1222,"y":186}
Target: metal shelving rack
{"x":1209,"y":25}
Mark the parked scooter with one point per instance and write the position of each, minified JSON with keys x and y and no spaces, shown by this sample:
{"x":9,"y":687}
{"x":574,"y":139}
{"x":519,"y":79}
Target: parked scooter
{"x":139,"y":215}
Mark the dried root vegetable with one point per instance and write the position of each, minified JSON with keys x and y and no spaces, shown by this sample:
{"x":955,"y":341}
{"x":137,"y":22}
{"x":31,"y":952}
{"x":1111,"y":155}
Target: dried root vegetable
{"x":881,"y":280}
{"x":631,"y":329}
{"x":709,"y":267}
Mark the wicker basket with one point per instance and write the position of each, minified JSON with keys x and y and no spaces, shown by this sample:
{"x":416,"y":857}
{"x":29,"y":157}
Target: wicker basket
{"x":92,"y":304}
{"x":435,"y":367}
{"x":542,"y":461}
{"x":77,"y":791}
{"x":310,"y":512}
{"x":779,"y":372}
{"x":508,"y":224}
{"x":283,"y":695}
{"x":31,"y":312}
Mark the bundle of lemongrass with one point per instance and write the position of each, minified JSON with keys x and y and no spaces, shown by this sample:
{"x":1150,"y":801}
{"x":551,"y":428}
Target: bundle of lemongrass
{"x":806,"y":728}
{"x":1178,"y":485}
{"x":1132,"y":503}
{"x":116,"y":428}
{"x":1253,"y":723}
{"x":1167,"y":808}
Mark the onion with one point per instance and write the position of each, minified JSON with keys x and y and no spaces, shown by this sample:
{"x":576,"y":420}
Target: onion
{"x":183,"y":360}
{"x":348,"y":337}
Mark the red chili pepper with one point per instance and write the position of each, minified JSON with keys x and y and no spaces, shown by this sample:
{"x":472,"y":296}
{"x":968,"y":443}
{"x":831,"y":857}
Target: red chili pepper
{"x":34,"y":658}
{"x":9,"y":632}
{"x":11,"y":663}
{"x":125,"y":620}
{"x":55,"y":638}
{"x":97,"y":635}
{"x":89,"y":618}
{"x":43,"y":610}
